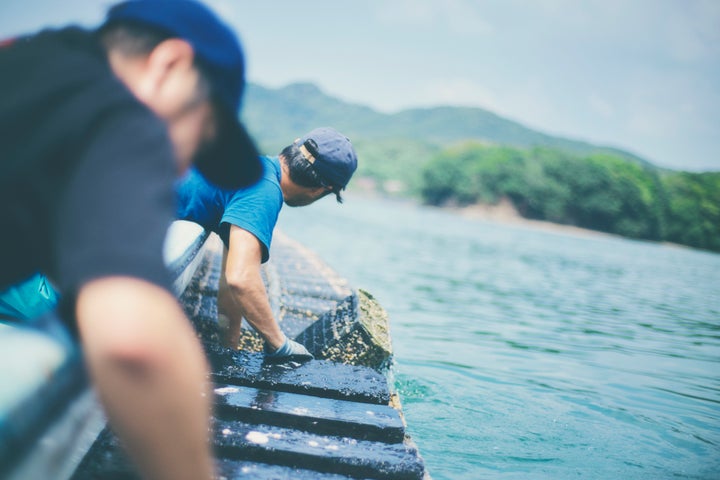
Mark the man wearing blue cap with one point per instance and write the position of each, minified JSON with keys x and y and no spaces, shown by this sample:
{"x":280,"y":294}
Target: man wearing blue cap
{"x":320,"y":163}
{"x":94,"y":128}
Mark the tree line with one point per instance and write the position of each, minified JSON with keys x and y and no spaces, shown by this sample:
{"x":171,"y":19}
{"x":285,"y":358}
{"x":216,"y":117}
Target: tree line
{"x":597,"y":191}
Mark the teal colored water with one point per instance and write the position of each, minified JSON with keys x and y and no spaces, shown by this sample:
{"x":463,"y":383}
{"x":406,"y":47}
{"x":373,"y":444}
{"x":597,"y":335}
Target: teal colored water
{"x":529,"y":354}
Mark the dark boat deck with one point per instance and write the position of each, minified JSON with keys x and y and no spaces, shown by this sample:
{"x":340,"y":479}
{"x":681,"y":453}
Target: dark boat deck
{"x":335,"y":417}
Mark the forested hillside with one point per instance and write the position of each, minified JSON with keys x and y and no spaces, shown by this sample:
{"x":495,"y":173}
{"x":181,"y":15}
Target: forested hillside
{"x":599,"y":191}
{"x":462,"y":156}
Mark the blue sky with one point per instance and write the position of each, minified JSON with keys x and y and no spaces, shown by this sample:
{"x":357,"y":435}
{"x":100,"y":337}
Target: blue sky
{"x":642,"y":75}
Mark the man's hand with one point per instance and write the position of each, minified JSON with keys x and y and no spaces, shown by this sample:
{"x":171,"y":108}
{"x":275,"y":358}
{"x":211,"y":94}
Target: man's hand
{"x":290,"y":350}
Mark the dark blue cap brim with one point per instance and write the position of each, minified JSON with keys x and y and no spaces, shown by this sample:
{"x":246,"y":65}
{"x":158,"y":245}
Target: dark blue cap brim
{"x":232,"y":160}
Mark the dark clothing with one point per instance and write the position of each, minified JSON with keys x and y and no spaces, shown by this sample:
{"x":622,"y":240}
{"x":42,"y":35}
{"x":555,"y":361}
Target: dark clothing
{"x":86,"y":170}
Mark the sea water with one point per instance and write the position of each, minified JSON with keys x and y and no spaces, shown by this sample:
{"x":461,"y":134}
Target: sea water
{"x":523,"y":353}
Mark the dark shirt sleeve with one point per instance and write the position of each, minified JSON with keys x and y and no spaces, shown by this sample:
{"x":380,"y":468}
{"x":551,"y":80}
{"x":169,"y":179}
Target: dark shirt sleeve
{"x":114,"y":214}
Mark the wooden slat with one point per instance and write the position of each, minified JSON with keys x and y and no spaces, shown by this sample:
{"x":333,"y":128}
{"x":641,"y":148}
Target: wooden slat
{"x":311,"y":414}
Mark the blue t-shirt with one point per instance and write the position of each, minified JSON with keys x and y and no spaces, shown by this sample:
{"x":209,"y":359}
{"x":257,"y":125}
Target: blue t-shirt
{"x":255,"y":208}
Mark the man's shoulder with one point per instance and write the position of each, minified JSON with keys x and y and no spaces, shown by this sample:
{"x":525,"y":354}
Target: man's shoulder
{"x":194,"y":185}
{"x":273,"y":160}
{"x":65,"y":71}
{"x":268,"y":184}
{"x":65,"y":99}
{"x":191,"y":179}
{"x":263,"y":196}
{"x":54,"y":56}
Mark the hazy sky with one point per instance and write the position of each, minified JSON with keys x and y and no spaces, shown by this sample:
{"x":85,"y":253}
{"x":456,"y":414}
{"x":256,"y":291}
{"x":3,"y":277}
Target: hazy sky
{"x":642,"y":75}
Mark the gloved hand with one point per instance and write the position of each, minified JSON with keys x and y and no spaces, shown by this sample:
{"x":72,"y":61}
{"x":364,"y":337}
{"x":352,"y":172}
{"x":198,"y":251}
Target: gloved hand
{"x":290,"y":350}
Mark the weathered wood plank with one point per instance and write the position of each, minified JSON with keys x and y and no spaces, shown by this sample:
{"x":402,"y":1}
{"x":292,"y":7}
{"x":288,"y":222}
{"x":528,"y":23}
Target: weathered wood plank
{"x":325,"y":416}
{"x":328,"y":454}
{"x":317,"y":377}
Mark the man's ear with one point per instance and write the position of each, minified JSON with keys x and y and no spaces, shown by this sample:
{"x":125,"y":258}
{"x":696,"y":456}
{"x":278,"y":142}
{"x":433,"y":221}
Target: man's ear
{"x":167,"y":57}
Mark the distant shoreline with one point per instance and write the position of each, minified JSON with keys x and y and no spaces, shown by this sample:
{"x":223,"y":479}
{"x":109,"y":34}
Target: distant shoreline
{"x":505,"y":213}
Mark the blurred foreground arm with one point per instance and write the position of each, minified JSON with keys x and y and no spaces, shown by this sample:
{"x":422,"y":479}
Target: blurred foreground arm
{"x":150,"y":373}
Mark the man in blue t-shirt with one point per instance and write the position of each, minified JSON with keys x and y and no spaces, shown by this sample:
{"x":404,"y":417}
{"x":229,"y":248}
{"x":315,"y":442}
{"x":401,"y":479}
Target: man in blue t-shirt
{"x":320,"y":163}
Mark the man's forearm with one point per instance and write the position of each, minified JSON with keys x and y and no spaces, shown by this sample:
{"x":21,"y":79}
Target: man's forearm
{"x":247,"y":298}
{"x":242,"y":290}
{"x":150,"y":374}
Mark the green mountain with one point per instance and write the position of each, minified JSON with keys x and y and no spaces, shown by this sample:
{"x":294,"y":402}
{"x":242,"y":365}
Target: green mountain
{"x":459,"y":155}
{"x":277,"y":116}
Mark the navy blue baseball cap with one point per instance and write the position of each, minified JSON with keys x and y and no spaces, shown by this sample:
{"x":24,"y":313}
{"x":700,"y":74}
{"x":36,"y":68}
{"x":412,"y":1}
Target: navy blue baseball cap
{"x":334,"y":158}
{"x":232,"y":159}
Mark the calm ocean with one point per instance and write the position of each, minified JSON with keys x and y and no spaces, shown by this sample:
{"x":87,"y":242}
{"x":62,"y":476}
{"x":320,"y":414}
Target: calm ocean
{"x":529,"y":354}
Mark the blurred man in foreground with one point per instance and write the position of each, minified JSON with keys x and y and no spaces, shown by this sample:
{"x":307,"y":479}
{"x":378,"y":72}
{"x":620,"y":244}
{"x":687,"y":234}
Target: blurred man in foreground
{"x":94,"y":128}
{"x":320,"y":163}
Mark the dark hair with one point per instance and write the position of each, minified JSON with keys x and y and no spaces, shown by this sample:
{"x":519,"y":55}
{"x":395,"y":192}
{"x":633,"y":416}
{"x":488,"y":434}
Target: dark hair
{"x":133,"y":38}
{"x":302,"y":171}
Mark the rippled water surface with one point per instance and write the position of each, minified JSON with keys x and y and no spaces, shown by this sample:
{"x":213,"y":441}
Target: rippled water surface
{"x":529,"y":354}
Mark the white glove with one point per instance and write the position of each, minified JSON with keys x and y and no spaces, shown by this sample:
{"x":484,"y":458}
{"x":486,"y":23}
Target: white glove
{"x":290,"y":350}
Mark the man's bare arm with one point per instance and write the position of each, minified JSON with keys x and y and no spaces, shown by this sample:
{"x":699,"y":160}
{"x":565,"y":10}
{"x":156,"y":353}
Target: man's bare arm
{"x":242,"y":291}
{"x":150,"y":373}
